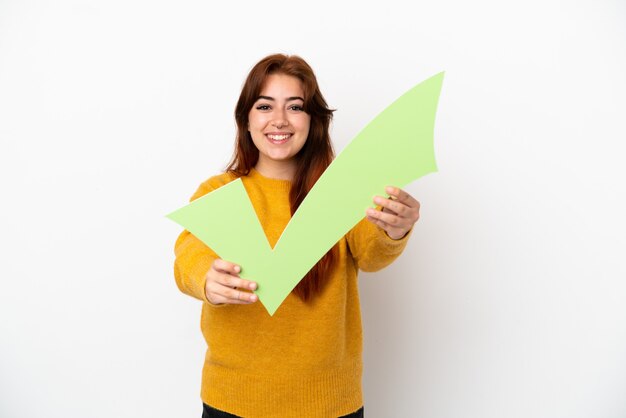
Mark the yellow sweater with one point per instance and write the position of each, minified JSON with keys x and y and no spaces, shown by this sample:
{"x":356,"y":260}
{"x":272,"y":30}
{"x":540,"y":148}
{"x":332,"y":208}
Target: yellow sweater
{"x":306,"y":360}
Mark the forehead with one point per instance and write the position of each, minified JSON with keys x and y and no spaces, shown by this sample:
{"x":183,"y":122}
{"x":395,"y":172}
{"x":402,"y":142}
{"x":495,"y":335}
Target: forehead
{"x":281,"y":86}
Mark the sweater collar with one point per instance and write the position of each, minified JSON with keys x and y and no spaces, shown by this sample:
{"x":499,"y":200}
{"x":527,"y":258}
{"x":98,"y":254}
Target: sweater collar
{"x":284,"y":185}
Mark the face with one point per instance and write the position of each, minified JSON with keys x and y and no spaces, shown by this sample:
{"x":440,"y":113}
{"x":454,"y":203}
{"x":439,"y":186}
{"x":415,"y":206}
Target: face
{"x":278,"y":124}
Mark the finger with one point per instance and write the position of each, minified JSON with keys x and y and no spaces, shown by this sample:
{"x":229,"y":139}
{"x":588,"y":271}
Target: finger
{"x":390,"y":230}
{"x":392,"y":206}
{"x":393,"y":233}
{"x":388,"y":218}
{"x":226,"y":266}
{"x":231,"y":281}
{"x":402,"y":196}
{"x":233,"y":271}
{"x":378,"y":222}
{"x":238,"y":296}
{"x":388,"y":211}
{"x":218,"y":293}
{"x":220,"y":300}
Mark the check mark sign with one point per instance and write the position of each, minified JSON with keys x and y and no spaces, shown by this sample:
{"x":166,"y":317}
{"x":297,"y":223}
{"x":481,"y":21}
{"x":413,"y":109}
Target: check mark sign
{"x":395,"y":148}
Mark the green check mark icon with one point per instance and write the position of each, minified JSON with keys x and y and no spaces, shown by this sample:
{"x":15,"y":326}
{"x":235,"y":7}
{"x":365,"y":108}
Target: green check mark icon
{"x":395,"y":148}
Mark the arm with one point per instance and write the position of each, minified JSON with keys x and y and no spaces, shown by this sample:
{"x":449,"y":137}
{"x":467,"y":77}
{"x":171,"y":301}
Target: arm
{"x":193,"y":261}
{"x":200,"y":273}
{"x":193,"y":257}
{"x":379,"y":239}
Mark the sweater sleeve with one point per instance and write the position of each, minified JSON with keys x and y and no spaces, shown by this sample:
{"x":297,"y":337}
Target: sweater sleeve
{"x":193,"y":258}
{"x":371,"y":247}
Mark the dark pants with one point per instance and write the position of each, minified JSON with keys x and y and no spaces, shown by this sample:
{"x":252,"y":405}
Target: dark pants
{"x":209,"y":412}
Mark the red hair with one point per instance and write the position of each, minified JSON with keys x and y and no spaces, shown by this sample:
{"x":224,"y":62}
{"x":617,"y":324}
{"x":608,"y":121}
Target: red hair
{"x":316,"y":154}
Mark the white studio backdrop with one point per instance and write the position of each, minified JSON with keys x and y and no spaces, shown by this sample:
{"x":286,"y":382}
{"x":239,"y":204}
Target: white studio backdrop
{"x":509,"y":300}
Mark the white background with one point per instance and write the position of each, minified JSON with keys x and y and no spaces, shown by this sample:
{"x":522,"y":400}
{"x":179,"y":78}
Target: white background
{"x":510,"y":298}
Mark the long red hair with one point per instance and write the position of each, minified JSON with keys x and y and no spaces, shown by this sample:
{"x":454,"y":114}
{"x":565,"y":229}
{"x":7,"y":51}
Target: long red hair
{"x":316,"y":154}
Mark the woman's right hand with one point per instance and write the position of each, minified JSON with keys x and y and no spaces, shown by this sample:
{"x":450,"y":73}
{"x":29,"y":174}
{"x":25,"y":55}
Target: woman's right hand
{"x":223,"y":285}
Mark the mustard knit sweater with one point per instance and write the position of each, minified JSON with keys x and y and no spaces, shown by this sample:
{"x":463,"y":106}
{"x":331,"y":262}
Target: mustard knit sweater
{"x":306,"y":360}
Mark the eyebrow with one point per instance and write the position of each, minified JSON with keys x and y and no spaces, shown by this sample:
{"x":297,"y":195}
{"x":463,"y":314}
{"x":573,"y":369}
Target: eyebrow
{"x":288,"y":98}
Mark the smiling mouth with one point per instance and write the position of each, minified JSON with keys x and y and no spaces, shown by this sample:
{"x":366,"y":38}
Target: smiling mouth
{"x":278,"y":139}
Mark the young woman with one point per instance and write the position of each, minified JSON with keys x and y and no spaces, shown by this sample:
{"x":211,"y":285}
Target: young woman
{"x":306,"y":360}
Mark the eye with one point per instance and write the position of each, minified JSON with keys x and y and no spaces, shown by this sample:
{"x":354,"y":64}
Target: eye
{"x":263,"y":107}
{"x":297,"y":108}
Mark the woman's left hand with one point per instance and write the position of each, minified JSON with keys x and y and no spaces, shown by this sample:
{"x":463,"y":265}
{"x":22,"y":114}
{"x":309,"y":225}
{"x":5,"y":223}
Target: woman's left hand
{"x":399,"y":212}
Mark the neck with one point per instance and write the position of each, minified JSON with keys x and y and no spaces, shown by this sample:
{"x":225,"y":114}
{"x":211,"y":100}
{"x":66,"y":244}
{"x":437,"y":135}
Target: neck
{"x":276,"y":170}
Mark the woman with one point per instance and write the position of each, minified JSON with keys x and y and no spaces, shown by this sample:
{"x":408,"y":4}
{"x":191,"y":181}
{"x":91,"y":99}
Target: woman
{"x":306,"y":360}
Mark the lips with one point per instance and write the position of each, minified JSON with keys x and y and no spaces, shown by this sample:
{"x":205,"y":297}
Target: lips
{"x":278,"y":138}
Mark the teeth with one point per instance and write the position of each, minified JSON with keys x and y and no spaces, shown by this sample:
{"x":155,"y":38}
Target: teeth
{"x":278,"y":137}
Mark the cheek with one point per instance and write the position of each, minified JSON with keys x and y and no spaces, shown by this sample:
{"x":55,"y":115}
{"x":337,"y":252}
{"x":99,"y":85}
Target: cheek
{"x":305,"y":125}
{"x":256,"y":121}
{"x":252,"y":124}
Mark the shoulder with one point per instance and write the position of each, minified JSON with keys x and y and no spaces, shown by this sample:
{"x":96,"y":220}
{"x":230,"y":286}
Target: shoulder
{"x":213,"y":183}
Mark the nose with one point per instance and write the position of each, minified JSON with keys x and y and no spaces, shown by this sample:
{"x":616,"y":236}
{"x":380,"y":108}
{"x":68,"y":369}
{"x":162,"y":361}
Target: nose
{"x":280,"y":120}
